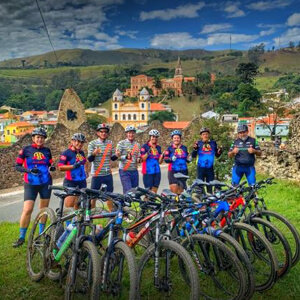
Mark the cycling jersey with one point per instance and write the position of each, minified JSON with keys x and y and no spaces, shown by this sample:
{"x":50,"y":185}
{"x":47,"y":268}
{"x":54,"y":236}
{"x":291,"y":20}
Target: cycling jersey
{"x":125,"y":147}
{"x":181,"y":154}
{"x":34,"y":157}
{"x":205,"y":154}
{"x":243,"y":157}
{"x":70,"y":157}
{"x":151,"y":164}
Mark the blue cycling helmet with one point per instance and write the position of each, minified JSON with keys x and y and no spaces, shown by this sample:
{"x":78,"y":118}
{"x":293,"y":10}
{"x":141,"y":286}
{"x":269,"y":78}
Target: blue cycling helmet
{"x":39,"y":131}
{"x":242,"y":127}
{"x":176,"y":132}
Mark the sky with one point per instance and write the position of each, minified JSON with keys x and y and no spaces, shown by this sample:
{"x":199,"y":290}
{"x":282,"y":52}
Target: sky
{"x":164,"y":24}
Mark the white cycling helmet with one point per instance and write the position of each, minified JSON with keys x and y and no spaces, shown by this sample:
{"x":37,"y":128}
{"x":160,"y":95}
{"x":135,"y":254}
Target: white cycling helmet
{"x":130,"y":128}
{"x":154,"y":132}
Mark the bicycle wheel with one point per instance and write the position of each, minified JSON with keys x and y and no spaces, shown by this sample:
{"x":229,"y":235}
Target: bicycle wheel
{"x":168,"y":282}
{"x":278,"y":242}
{"x":221,"y":274}
{"x":83,"y":278}
{"x":289,"y":230}
{"x":119,"y":273}
{"x":262,"y":257}
{"x":38,"y":244}
{"x":231,"y":243}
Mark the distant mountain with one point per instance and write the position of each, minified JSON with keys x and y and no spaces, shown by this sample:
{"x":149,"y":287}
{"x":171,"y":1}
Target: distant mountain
{"x":85,"y":57}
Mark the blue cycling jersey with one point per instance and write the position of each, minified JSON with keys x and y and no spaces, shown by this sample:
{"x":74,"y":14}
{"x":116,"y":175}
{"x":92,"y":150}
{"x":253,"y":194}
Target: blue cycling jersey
{"x":181,"y":154}
{"x":70,"y":157}
{"x":151,"y":165}
{"x":206,"y":153}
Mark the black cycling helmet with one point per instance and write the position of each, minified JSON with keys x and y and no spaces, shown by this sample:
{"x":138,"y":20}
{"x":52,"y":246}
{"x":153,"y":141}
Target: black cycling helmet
{"x":103,"y":126}
{"x":204,"y":129}
{"x":78,"y":137}
{"x":39,"y":131}
{"x":242,"y":127}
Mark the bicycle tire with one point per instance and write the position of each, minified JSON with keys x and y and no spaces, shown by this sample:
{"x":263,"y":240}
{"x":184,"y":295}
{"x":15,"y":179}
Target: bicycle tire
{"x":271,"y":262}
{"x":42,"y":242}
{"x":216,"y":248}
{"x":295,"y":246}
{"x":183,"y":255}
{"x":274,"y":234}
{"x":90,"y":249}
{"x":132,"y":273}
{"x":244,"y":259}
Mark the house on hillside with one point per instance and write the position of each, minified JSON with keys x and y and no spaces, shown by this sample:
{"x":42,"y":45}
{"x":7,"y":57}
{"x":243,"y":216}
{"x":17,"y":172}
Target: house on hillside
{"x":14,"y":131}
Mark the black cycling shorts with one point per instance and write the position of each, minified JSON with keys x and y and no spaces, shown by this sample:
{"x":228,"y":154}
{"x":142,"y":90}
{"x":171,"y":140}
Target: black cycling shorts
{"x":31,"y":191}
{"x":151,"y":180}
{"x":71,"y":183}
{"x":173,"y":180}
{"x":98,"y":180}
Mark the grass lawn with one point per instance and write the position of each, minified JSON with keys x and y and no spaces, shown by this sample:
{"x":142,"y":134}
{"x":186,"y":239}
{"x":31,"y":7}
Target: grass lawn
{"x":283,"y":197}
{"x":265,"y":83}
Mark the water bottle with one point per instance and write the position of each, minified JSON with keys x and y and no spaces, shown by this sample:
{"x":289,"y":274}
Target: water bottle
{"x":63,"y":237}
{"x":130,"y":237}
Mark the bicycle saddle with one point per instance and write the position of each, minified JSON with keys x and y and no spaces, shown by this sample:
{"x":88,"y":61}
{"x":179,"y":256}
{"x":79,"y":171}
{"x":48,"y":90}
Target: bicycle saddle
{"x":200,"y":182}
{"x":181,"y":176}
{"x":217,"y":182}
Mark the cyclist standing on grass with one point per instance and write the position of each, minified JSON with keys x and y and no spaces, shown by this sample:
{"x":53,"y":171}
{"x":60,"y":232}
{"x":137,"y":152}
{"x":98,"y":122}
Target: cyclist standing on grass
{"x":244,"y":149}
{"x":35,"y":161}
{"x":151,"y":158}
{"x":177,"y":157}
{"x":72,"y":162}
{"x":100,"y":154}
{"x":128,"y":151}
{"x":206,"y":150}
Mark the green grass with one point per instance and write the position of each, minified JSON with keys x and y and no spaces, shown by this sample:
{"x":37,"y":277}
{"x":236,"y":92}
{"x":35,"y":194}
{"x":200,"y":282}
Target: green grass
{"x":265,"y":83}
{"x":283,"y":197}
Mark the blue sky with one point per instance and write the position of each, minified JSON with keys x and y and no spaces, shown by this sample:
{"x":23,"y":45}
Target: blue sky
{"x":166,"y":24}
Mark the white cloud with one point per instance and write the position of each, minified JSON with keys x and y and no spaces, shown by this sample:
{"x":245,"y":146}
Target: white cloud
{"x":224,"y":38}
{"x":182,"y":11}
{"x":232,"y":9}
{"x":215,"y":27}
{"x":130,"y":33}
{"x":267,"y":32}
{"x":292,"y":34}
{"x":177,"y":40}
{"x":266,"y":5}
{"x":294,"y":20}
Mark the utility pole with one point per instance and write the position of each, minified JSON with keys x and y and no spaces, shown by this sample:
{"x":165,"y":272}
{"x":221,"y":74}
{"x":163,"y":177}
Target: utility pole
{"x":230,"y":42}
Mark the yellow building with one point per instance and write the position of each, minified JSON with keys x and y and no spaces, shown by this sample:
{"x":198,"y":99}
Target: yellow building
{"x":14,"y":131}
{"x":136,"y":113}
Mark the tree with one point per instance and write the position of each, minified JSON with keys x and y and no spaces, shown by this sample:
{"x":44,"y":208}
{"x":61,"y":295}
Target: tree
{"x":255,"y":52}
{"x":53,"y":99}
{"x":94,"y":120}
{"x":291,"y":44}
{"x":162,"y":116}
{"x":157,"y":82}
{"x":247,"y":72}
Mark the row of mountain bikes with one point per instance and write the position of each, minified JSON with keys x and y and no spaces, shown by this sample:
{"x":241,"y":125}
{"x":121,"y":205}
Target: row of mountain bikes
{"x":225,"y":245}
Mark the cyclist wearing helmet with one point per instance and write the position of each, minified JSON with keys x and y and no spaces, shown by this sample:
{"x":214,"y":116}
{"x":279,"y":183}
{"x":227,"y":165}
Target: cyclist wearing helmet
{"x":205,"y":150}
{"x":35,"y":161}
{"x":128,"y":151}
{"x":72,"y":162}
{"x":100,"y":154}
{"x":151,"y":158}
{"x":244,"y":149}
{"x":177,"y":157}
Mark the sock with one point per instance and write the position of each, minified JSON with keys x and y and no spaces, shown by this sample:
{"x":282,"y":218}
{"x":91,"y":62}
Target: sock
{"x":41,"y":227}
{"x":23,"y":232}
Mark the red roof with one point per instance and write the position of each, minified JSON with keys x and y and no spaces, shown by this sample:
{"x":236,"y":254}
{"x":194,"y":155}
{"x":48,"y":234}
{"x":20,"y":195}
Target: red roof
{"x":49,"y":123}
{"x":157,"y":107}
{"x":36,"y":112}
{"x":21,"y":124}
{"x":271,"y":119}
{"x":176,"y":125}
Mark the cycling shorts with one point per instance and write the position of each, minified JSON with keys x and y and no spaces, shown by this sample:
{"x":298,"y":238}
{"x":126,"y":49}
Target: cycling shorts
{"x":98,"y":180}
{"x":151,"y":180}
{"x":173,"y":180}
{"x":31,"y":191}
{"x":239,"y":171}
{"x":71,"y":183}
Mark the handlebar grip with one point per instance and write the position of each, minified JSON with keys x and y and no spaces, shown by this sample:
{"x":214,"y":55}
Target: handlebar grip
{"x":92,"y":191}
{"x":146,"y":191}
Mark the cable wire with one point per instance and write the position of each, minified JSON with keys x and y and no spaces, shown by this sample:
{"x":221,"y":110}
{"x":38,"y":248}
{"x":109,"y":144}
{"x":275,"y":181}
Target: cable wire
{"x":46,"y":29}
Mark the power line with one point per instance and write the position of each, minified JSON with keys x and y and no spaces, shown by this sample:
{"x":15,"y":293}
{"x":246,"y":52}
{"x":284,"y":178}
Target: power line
{"x":46,"y":29}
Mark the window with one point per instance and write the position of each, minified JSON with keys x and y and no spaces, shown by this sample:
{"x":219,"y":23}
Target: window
{"x":134,"y":117}
{"x":129,"y":117}
{"x":116,"y":105}
{"x":116,"y":100}
{"x":8,"y":132}
{"x":124,"y":117}
{"x":143,"y":105}
{"x":143,"y":117}
{"x":116,"y":117}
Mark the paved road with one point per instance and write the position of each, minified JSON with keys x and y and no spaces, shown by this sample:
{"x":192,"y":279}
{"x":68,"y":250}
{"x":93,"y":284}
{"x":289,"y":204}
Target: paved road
{"x":11,"y":204}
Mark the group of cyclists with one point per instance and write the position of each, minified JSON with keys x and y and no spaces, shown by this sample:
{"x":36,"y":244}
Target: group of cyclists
{"x":35,"y":161}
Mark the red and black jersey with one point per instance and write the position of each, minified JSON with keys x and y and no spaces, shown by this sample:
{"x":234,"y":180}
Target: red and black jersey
{"x":35,"y":157}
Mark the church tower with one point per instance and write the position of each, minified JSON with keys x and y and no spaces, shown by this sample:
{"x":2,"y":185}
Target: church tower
{"x":178,"y":70}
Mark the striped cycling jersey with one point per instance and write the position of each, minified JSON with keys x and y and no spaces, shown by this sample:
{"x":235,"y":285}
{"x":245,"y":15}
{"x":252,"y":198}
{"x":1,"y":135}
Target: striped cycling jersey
{"x":70,"y":157}
{"x":106,"y":166}
{"x":34,"y":157}
{"x":124,"y":147}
